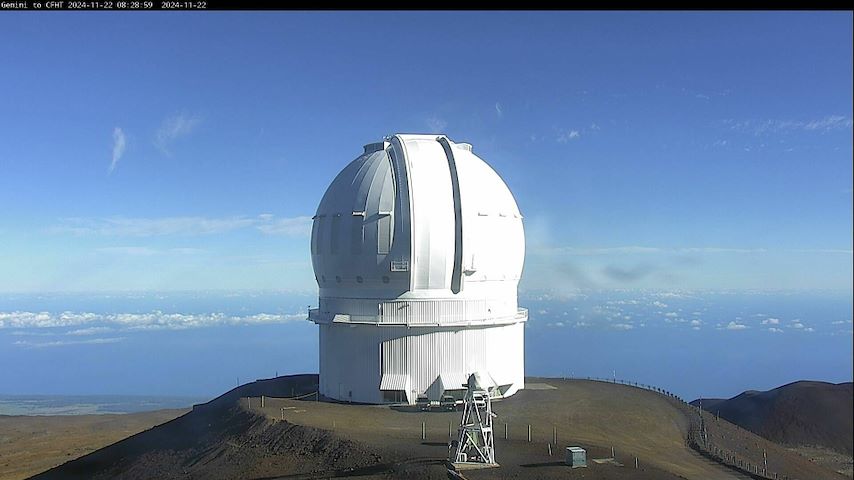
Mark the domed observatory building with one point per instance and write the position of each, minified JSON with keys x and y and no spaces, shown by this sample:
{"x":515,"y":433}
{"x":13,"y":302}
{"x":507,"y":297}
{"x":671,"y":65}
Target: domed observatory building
{"x":417,"y":247}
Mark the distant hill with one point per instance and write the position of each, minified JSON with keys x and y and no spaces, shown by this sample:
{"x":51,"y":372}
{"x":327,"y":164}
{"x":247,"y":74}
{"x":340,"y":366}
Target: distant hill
{"x":797,"y":414}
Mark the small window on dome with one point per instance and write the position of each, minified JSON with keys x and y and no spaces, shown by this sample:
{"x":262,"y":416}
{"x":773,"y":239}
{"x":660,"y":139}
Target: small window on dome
{"x":385,"y":279}
{"x":360,"y":279}
{"x":337,"y":279}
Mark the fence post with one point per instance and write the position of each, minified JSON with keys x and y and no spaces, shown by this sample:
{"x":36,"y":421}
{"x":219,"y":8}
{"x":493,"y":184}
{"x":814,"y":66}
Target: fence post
{"x":529,"y":432}
{"x":423,"y":431}
{"x":554,"y":435}
{"x":505,"y":430}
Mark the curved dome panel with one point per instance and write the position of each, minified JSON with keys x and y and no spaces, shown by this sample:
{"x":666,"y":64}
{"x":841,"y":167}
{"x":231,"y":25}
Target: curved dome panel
{"x":353,"y":229}
{"x":418,"y":217}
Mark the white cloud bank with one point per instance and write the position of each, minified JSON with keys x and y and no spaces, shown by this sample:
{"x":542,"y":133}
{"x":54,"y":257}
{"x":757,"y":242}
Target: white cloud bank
{"x":64,"y":343}
{"x":96,"y":323}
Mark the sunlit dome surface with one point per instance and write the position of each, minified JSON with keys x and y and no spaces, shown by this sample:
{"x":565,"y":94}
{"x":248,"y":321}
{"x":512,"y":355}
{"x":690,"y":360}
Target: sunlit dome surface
{"x":405,"y":216}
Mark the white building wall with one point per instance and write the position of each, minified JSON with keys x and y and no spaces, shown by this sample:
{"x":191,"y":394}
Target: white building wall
{"x":353,"y":358}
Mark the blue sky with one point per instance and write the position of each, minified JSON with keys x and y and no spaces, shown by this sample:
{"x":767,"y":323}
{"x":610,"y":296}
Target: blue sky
{"x":188,"y":151}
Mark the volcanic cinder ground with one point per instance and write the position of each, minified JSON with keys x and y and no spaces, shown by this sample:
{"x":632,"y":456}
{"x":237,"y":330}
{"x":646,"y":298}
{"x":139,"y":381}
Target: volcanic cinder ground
{"x":234,"y":436}
{"x":33,"y":444}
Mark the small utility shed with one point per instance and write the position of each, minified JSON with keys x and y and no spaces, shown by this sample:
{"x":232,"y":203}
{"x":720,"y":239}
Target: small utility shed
{"x":576,"y":457}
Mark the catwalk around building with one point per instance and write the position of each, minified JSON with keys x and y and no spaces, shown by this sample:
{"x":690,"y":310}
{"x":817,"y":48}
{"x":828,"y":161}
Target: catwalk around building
{"x":417,"y":248}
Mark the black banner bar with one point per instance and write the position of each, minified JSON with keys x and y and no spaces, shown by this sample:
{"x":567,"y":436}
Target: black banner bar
{"x":261,"y":5}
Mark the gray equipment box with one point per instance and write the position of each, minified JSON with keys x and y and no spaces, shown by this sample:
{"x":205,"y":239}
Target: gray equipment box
{"x":576,"y":457}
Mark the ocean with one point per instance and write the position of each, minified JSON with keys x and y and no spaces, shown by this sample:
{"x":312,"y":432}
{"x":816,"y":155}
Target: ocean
{"x":118,"y":353}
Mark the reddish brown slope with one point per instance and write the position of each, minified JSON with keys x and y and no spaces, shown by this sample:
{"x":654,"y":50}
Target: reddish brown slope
{"x":800,"y":413}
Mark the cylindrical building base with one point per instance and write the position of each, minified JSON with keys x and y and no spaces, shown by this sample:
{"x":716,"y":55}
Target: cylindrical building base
{"x":397,"y":364}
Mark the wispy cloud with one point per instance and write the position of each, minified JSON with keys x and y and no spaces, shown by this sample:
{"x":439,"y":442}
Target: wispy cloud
{"x":623,"y":326}
{"x":173,"y":128}
{"x":92,"y":323}
{"x":588,"y":251}
{"x":498,"y":110}
{"x":119,"y":144}
{"x":292,"y":227}
{"x":775,"y":330}
{"x":89,"y":331}
{"x":436,"y":124}
{"x":188,"y":226}
{"x":145,"y":227}
{"x":771,"y":321}
{"x":148,"y":251}
{"x":770,"y":126}
{"x":735,"y":326}
{"x":566,"y":136}
{"x":636,"y":249}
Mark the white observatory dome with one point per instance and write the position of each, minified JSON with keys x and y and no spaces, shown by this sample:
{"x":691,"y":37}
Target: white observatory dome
{"x":417,"y":231}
